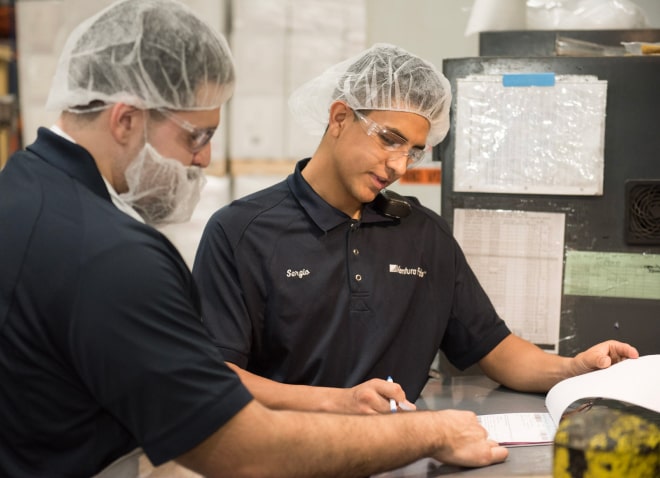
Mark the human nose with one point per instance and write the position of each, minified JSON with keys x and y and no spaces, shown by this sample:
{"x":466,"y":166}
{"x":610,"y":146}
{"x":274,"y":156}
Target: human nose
{"x":202,"y":158}
{"x":398,"y":162}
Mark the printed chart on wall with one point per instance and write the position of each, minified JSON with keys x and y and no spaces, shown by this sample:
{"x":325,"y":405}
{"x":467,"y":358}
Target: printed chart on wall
{"x":518,"y":257}
{"x":530,"y":134}
{"x":612,"y":274}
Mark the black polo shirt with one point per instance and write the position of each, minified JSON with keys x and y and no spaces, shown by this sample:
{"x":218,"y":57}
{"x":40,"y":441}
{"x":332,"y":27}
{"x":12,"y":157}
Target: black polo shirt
{"x":102,"y":348}
{"x":296,"y":291}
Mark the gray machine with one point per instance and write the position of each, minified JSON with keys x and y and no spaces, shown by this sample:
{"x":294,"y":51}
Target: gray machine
{"x":625,"y":218}
{"x":527,"y":43}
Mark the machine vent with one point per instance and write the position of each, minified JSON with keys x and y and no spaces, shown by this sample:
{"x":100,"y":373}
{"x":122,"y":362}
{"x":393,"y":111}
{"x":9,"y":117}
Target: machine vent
{"x":643,"y":212}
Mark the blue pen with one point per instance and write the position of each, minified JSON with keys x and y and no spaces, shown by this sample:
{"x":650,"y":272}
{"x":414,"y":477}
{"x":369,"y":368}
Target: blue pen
{"x":392,"y":401}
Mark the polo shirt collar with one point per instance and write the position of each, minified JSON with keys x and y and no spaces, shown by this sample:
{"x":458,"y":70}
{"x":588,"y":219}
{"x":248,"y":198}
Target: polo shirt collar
{"x":71,"y":158}
{"x":325,"y":216}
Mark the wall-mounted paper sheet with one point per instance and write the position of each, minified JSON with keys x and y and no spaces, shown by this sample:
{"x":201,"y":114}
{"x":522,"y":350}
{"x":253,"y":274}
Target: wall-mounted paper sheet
{"x":612,"y":274}
{"x":529,"y":139}
{"x":517,"y":257}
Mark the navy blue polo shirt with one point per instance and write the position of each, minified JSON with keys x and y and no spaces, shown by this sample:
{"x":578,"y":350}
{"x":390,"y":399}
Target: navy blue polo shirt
{"x":102,"y":348}
{"x":296,"y":291}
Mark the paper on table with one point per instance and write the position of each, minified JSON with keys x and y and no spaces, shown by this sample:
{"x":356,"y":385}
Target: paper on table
{"x":519,"y":429}
{"x":636,"y":381}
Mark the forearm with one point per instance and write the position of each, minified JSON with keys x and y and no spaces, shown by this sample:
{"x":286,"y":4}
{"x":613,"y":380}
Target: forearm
{"x":290,"y":444}
{"x":372,"y":396}
{"x":521,"y":365}
{"x":279,"y":396}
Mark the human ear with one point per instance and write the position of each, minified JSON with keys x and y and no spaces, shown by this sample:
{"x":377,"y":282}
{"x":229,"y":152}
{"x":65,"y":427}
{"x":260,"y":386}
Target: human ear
{"x":340,"y":113}
{"x":125,"y":122}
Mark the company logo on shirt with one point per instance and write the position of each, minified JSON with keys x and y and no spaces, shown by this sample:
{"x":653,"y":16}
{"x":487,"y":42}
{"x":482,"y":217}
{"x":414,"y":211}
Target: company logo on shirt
{"x":299,"y":274}
{"x":407,"y":271}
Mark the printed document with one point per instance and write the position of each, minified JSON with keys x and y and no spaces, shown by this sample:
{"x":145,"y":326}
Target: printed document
{"x":635,"y":381}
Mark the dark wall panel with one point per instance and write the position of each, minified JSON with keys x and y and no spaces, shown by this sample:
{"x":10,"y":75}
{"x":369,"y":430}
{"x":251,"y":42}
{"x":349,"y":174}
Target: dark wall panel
{"x":593,"y":223}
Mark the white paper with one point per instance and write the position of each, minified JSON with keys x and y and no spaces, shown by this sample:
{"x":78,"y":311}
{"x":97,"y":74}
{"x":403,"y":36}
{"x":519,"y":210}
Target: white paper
{"x":636,"y":381}
{"x":530,"y":140}
{"x":518,"y":258}
{"x":519,"y":429}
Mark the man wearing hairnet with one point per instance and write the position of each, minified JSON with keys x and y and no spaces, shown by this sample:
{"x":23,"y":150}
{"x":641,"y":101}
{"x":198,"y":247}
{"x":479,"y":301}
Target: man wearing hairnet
{"x":327,"y":280}
{"x":102,"y":346}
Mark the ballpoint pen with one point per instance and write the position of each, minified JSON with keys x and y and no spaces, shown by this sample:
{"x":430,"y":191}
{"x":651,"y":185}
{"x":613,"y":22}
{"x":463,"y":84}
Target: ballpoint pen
{"x":394,"y":405}
{"x":392,"y":401}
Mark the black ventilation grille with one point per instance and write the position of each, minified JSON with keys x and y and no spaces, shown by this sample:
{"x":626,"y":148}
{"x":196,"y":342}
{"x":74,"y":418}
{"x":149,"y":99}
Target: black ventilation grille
{"x":643,"y":212}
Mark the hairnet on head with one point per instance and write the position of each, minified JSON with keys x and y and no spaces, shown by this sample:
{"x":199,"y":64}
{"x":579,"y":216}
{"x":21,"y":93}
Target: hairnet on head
{"x":383,"y":77}
{"x":147,"y":53}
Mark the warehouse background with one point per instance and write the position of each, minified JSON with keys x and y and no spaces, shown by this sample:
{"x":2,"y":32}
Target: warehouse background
{"x":278,"y":45}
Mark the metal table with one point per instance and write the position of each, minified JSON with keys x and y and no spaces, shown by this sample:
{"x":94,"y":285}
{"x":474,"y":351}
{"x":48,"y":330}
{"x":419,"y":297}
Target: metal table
{"x":482,"y":396}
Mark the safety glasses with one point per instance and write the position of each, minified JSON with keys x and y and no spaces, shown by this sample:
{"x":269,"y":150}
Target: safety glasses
{"x":392,"y":141}
{"x":199,"y":137}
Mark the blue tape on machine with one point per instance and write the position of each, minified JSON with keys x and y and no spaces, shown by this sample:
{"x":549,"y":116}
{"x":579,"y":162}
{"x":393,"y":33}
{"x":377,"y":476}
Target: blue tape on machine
{"x":528,"y":79}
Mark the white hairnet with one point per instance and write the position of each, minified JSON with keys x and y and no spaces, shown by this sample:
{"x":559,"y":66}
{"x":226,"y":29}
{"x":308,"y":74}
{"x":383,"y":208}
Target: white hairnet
{"x":148,"y":53}
{"x":383,"y":77}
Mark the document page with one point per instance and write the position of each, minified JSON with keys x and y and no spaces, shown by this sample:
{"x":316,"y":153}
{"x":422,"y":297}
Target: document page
{"x":519,"y":429}
{"x":518,"y":258}
{"x":530,"y":140}
{"x":635,"y":381}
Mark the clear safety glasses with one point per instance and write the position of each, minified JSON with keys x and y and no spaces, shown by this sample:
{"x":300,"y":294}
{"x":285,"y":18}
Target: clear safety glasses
{"x":392,"y":141}
{"x":199,"y":137}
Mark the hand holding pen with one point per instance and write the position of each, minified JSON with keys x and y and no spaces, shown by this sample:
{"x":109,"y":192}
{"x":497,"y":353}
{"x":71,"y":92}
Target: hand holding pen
{"x":404,"y":405}
{"x":372,"y":396}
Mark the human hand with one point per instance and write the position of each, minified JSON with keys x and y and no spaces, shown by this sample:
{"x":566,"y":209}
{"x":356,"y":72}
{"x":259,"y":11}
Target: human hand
{"x":464,"y":442}
{"x":602,"y":356}
{"x":373,"y":396}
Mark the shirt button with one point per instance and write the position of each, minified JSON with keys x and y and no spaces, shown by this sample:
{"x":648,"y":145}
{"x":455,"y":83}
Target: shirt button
{"x":356,"y":252}
{"x":358,"y":277}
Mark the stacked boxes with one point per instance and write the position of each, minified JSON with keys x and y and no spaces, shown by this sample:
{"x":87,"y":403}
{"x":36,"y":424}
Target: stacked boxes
{"x":279,"y":45}
{"x":41,"y":29}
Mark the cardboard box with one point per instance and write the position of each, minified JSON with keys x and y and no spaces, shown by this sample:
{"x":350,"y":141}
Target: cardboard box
{"x":259,"y":15}
{"x":260,"y":60}
{"x":256,"y":130}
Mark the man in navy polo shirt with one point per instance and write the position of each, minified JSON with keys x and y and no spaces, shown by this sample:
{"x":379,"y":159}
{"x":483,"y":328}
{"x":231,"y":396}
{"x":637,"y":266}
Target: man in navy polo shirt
{"x":325,"y":280}
{"x":102,"y":348}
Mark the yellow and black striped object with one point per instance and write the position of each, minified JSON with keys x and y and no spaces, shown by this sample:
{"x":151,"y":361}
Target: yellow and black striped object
{"x":606,"y":441}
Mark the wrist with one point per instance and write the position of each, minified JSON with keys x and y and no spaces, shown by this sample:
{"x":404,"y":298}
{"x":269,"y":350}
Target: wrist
{"x":329,"y":399}
{"x":570,"y":367}
{"x":435,"y":437}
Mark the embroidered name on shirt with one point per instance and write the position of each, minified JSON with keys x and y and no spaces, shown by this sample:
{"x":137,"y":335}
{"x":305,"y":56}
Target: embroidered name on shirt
{"x":299,"y":274}
{"x":406,"y":271}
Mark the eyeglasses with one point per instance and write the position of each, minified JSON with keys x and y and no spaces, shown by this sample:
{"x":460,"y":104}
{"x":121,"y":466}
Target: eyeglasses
{"x":199,"y":137}
{"x":391,"y":141}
